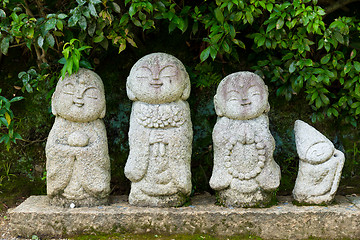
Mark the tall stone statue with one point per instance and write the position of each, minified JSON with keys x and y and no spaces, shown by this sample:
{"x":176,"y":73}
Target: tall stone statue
{"x":320,"y":166}
{"x":160,"y":134}
{"x":77,"y":159}
{"x":245,"y":173}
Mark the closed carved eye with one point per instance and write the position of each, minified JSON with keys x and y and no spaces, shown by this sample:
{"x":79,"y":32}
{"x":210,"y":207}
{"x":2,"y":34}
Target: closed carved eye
{"x":69,"y":89}
{"x":143,"y":72}
{"x":91,"y":92}
{"x":168,"y":71}
{"x":254,"y":90}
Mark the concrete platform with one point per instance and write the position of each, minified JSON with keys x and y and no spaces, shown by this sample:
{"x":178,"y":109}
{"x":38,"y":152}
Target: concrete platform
{"x":284,"y":221}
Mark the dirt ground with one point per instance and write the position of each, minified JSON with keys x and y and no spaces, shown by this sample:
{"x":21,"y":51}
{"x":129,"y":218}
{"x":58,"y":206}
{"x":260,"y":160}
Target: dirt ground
{"x":4,"y":226}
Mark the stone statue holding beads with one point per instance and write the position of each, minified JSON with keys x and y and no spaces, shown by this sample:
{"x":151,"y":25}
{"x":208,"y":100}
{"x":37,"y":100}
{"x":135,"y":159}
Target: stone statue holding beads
{"x":160,"y":134}
{"x":78,"y":164}
{"x":245,"y":173}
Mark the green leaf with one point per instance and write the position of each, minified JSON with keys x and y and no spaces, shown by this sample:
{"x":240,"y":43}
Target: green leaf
{"x":70,"y":65}
{"x":60,"y":25}
{"x":269,"y":7}
{"x":357,"y":111}
{"x":122,"y":47}
{"x":205,"y":54}
{"x":40,"y":41}
{"x":226,"y":47}
{"x":241,"y":44}
{"x":355,"y":105}
{"x":50,"y":40}
{"x":308,"y":62}
{"x":280,"y":23}
{"x":357,"y":66}
{"x":213,"y":52}
{"x":74,"y":19}
{"x":325,"y":59}
{"x":85,"y":64}
{"x":347,"y":67}
{"x":4,"y":138}
{"x":17,"y":136}
{"x":93,"y":10}
{"x":15,"y":99}
{"x":314,"y":96}
{"x":62,"y":16}
{"x":92,"y":29}
{"x":62,"y":61}
{"x":339,"y":37}
{"x":84,"y":48}
{"x":249,"y":17}
{"x":4,"y":122}
{"x":50,"y":24}
{"x":5,"y":43}
{"x":216,"y":38}
{"x":353,"y":54}
{"x":318,"y":103}
{"x":292,"y":67}
{"x":270,"y":27}
{"x":325,"y":99}
{"x":82,"y":23}
{"x":99,"y":38}
{"x":219,"y":15}
{"x":2,"y":13}
{"x":116,"y":7}
{"x":261,"y":41}
{"x":335,"y":112}
{"x":132,"y":10}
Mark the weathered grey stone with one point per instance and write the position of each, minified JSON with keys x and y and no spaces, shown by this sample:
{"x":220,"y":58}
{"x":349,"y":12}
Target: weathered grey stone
{"x":36,"y":216}
{"x":245,"y":173}
{"x":77,"y":159}
{"x":160,"y":133}
{"x":320,"y":166}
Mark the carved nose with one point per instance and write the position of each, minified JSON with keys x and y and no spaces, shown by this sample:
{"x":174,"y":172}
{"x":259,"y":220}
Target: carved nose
{"x":78,"y":95}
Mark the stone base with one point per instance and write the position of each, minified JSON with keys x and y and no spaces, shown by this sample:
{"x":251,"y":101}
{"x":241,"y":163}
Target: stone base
{"x":36,"y":216}
{"x":138,"y":198}
{"x":87,"y":202}
{"x":232,"y":198}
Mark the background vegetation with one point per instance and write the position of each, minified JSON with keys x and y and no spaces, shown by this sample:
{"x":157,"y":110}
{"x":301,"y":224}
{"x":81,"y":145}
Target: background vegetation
{"x":307,"y":51}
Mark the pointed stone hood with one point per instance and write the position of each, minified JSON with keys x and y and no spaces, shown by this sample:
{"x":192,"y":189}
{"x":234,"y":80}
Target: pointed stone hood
{"x":311,"y":145}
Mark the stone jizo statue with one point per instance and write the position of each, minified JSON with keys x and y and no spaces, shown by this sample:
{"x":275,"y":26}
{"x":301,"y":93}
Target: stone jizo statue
{"x":320,"y":166}
{"x":78,"y":164}
{"x":245,"y":173}
{"x":160,"y":134}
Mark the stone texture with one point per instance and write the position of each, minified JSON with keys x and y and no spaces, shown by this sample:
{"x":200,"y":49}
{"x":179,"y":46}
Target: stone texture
{"x":320,"y":166}
{"x":77,"y":159}
{"x":245,"y":173}
{"x":283,"y":221}
{"x":160,"y":133}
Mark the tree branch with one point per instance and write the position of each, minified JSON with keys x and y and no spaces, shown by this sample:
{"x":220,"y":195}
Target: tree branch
{"x":337,"y":5}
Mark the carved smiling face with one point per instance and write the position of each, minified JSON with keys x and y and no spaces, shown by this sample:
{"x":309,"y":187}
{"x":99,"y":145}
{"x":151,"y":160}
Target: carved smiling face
{"x":80,"y":97}
{"x":241,"y":96}
{"x":158,"y":78}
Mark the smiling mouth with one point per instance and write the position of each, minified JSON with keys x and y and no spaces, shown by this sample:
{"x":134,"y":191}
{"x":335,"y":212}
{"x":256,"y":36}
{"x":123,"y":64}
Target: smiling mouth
{"x":246,"y":104}
{"x":156,"y":85}
{"x":78,"y":104}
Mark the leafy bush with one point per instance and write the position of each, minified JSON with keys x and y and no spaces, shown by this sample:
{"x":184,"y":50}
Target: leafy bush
{"x":302,"y":48}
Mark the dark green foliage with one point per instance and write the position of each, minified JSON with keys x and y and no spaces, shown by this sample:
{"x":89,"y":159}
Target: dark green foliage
{"x":308,"y":56}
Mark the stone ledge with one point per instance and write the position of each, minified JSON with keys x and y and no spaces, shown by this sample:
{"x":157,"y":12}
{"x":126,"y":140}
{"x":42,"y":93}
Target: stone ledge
{"x":283,"y":221}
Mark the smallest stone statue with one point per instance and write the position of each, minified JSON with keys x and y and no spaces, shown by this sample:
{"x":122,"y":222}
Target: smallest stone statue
{"x":320,"y":166}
